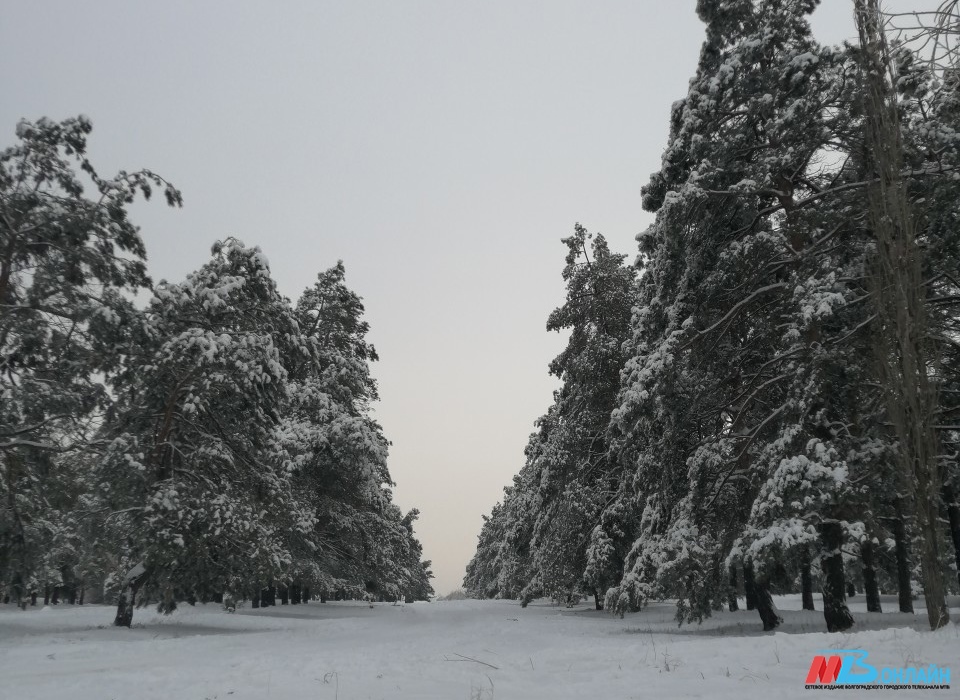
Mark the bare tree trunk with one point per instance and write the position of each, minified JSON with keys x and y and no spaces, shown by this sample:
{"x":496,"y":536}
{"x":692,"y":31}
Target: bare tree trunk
{"x":870,"y":588}
{"x":765,"y":606}
{"x":806,"y":582}
{"x":835,"y":611}
{"x":732,"y":603}
{"x":749,"y":586}
{"x":901,"y":312}
{"x":953,"y":515}
{"x":128,"y":594}
{"x":266,"y":597}
{"x":902,"y":551}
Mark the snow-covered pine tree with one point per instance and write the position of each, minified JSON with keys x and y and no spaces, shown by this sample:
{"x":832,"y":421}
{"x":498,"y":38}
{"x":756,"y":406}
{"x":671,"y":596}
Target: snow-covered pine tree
{"x":352,"y":536}
{"x":482,"y":576}
{"x":751,"y":432}
{"x":705,"y":389}
{"x":196,"y":504}
{"x":502,"y":566}
{"x":578,"y":480}
{"x":66,"y":260}
{"x":568,"y":480}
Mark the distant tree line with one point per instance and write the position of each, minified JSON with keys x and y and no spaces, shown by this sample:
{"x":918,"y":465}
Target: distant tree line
{"x":768,"y":400}
{"x":216,"y":442}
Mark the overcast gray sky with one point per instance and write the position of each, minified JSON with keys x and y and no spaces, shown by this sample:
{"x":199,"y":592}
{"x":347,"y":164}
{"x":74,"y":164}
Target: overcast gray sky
{"x":441,"y":149}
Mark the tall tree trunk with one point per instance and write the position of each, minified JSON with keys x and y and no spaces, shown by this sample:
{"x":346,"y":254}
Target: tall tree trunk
{"x":806,"y":582}
{"x":46,"y":595}
{"x":128,"y":594}
{"x":870,"y":588}
{"x":266,"y":597}
{"x":902,"y":552}
{"x":953,"y":515}
{"x":69,"y":584}
{"x":284,"y":595}
{"x":835,"y":610}
{"x":83,"y":590}
{"x":732,"y":604}
{"x":295,"y":593}
{"x":749,"y":586}
{"x":899,"y":297}
{"x":765,"y":606}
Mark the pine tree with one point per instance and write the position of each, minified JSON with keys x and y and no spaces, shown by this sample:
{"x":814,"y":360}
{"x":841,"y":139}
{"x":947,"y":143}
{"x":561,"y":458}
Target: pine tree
{"x":195,"y":501}
{"x":66,"y":260}
{"x":899,"y":300}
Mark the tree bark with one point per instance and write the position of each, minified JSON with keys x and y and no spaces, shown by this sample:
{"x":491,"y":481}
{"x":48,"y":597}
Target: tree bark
{"x":749,"y":586}
{"x":768,"y":611}
{"x":899,"y":298}
{"x":953,"y":516}
{"x":284,"y":596}
{"x":128,"y":594}
{"x":69,"y":584}
{"x":870,"y":587}
{"x":806,"y":582}
{"x":835,"y":610}
{"x":267,"y":597}
{"x":732,"y":604}
{"x":902,"y":551}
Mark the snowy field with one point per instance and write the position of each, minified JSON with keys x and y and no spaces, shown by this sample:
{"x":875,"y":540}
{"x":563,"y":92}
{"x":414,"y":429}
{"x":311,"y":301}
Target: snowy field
{"x":445,"y":650}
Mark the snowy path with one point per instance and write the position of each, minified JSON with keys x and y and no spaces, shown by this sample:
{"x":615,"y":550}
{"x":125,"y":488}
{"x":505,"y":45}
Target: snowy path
{"x":346,"y":651}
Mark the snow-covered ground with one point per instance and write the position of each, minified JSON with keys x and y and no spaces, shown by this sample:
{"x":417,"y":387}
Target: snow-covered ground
{"x":443,"y":650}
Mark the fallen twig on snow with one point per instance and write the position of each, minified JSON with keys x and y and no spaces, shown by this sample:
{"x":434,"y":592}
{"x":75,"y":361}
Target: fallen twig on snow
{"x":470,"y":658}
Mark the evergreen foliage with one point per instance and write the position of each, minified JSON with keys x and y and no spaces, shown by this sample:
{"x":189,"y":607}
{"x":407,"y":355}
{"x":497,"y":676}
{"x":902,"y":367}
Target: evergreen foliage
{"x":217,"y":441}
{"x":750,"y":439}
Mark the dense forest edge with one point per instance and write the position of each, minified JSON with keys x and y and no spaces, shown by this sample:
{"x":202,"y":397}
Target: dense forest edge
{"x":767,"y":400}
{"x":214,"y":445}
